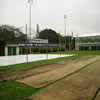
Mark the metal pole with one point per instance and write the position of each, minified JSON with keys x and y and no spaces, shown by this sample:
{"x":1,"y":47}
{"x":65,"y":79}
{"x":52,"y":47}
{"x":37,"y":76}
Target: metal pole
{"x":30,"y":3}
{"x":47,"y":46}
{"x":26,"y":46}
{"x":76,"y":42}
{"x":65,"y":30}
{"x":30,"y":28}
{"x":69,"y":42}
{"x":60,"y":43}
{"x":47,"y":52}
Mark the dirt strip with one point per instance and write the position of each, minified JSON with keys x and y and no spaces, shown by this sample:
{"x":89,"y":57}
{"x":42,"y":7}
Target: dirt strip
{"x":80,"y":86}
{"x":37,"y":70}
{"x":42,"y":79}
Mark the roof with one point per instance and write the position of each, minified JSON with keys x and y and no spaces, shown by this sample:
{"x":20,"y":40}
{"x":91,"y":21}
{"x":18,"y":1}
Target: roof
{"x":89,"y":34}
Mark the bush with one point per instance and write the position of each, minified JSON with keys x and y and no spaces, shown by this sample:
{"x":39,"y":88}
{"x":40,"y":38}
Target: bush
{"x":23,"y":50}
{"x":54,"y":50}
{"x":62,"y":49}
{"x":43,"y":50}
{"x":49,"y":50}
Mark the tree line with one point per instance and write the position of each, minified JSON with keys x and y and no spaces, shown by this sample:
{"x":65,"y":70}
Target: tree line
{"x":54,"y":37}
{"x":11,"y":34}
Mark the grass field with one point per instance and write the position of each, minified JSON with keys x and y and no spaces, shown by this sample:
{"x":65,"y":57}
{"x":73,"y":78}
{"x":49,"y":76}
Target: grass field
{"x":10,"y":90}
{"x":81,"y":53}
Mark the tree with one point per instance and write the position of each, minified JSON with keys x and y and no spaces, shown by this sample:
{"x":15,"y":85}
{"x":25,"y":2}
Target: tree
{"x":2,"y":45}
{"x":49,"y":34}
{"x":54,"y":37}
{"x":10,"y":34}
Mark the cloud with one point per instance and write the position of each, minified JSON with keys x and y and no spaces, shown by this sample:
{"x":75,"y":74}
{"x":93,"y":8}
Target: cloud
{"x":83,"y":16}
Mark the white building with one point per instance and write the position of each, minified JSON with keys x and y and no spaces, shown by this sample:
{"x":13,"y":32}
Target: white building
{"x":88,"y":42}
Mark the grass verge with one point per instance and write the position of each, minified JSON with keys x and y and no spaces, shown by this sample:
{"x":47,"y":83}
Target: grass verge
{"x":81,"y":53}
{"x":11,"y":90}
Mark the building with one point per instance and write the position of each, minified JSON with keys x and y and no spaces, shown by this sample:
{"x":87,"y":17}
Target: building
{"x":11,"y":49}
{"x":37,"y":46}
{"x":88,"y":43}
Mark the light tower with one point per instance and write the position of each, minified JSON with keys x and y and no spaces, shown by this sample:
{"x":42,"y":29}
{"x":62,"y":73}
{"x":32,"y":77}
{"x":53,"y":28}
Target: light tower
{"x":30,"y":3}
{"x":65,"y":17}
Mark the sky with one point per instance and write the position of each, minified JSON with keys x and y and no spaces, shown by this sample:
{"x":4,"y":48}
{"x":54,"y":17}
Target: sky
{"x":83,"y":16}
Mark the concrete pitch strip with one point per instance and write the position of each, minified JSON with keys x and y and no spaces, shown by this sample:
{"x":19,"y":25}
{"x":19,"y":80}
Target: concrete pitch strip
{"x":10,"y":60}
{"x":81,"y":86}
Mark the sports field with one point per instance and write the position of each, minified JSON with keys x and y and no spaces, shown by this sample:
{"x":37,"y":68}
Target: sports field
{"x":63,"y":68}
{"x":80,"y":86}
{"x":69,"y":78}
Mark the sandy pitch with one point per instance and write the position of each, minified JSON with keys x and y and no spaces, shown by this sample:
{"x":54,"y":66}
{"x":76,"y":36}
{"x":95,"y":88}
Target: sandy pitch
{"x":80,"y":86}
{"x":42,"y":79}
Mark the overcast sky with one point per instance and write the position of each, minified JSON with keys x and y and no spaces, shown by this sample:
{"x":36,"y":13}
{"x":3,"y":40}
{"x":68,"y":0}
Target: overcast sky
{"x":83,"y":16}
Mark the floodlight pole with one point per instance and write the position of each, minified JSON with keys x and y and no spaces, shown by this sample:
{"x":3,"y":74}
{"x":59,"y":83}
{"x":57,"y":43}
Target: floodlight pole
{"x":26,"y":45}
{"x":65,"y":16}
{"x":60,"y":43}
{"x":47,"y":45}
{"x":47,"y":52}
{"x":30,"y":3}
{"x":69,"y":41}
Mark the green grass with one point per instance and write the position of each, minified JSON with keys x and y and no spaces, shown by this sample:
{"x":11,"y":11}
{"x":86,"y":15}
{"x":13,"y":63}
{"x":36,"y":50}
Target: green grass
{"x":11,"y":90}
{"x":81,"y":53}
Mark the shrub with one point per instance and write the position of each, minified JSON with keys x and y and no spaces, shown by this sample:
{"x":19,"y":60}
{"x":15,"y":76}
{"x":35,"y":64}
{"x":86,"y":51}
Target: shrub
{"x":54,"y":50}
{"x":62,"y":49}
